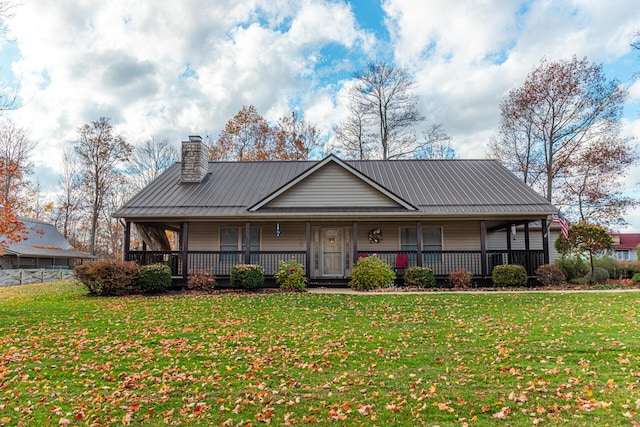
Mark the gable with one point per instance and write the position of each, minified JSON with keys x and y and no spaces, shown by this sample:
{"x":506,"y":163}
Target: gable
{"x":332,"y":186}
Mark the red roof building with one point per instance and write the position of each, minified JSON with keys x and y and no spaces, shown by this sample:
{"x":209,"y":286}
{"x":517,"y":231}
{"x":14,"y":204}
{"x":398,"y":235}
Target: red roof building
{"x":624,"y":246}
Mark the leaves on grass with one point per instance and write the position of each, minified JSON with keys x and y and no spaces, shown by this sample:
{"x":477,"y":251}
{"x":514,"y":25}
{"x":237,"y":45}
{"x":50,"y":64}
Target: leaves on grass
{"x":289,"y":359}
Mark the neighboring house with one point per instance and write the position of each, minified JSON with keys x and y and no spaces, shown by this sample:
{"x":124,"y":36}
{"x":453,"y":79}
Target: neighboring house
{"x":42,"y":246}
{"x":624,"y":246}
{"x":442,"y":214}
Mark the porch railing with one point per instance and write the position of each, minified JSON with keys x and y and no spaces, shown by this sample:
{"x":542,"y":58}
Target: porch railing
{"x":441,"y":262}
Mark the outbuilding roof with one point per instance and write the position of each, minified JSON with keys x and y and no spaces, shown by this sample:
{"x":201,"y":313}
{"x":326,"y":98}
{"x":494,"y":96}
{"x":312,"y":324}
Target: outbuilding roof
{"x":432,"y":187}
{"x":41,"y":239}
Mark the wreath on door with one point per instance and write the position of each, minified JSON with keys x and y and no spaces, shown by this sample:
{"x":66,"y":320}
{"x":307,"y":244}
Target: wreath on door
{"x":375,"y":235}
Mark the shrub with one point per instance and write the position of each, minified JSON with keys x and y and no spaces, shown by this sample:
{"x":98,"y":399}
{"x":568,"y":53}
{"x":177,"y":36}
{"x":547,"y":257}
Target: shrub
{"x":290,"y":276}
{"x":573,"y":267}
{"x":460,"y":278}
{"x":247,"y":276}
{"x":154,"y":278}
{"x":201,"y":280}
{"x":371,"y":273}
{"x":509,"y":275}
{"x":629,"y":268}
{"x":600,"y":275}
{"x":636,"y":278}
{"x":108,"y":277}
{"x":612,"y":266}
{"x":550,"y":275}
{"x":421,"y":277}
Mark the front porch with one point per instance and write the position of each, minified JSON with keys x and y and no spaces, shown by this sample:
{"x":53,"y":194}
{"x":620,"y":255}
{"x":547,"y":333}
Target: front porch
{"x":328,"y":251}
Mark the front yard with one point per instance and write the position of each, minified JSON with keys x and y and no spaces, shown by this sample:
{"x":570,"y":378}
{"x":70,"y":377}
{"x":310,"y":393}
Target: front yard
{"x":298,"y":359}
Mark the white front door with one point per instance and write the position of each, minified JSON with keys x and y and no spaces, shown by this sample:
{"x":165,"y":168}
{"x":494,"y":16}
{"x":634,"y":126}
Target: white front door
{"x":332,"y":251}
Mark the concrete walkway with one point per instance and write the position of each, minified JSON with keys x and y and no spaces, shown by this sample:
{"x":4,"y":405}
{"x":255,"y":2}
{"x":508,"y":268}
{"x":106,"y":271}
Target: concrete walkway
{"x":399,"y":291}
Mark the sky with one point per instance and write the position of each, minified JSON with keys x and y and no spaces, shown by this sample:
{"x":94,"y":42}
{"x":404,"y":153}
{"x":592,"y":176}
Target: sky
{"x":180,"y":68}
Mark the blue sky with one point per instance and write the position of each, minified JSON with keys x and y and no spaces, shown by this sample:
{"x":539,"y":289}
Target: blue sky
{"x":180,"y":68}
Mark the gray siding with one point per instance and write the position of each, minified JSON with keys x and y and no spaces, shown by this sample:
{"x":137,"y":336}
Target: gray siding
{"x":335,"y":187}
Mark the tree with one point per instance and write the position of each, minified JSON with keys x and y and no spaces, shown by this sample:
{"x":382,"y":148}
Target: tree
{"x":247,"y":136}
{"x":352,"y":135}
{"x":67,"y":205}
{"x":381,"y":98}
{"x":10,"y":226}
{"x":8,"y":95}
{"x":150,"y":159}
{"x":594,"y":190}
{"x":583,"y":237}
{"x":99,"y":152}
{"x":435,"y":144}
{"x":15,"y":150}
{"x":563,"y":110}
{"x":295,"y":138}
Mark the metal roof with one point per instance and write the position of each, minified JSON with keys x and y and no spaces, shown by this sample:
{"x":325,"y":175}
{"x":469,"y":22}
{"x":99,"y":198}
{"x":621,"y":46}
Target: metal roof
{"x":41,"y":239}
{"x":435,"y":187}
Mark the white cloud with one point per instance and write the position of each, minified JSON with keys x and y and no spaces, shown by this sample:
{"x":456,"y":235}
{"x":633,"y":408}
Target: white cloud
{"x":177,"y":68}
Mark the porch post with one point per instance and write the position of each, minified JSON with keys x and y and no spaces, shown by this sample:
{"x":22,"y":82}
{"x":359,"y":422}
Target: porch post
{"x":483,"y":247}
{"x":354,"y":240}
{"x":545,"y":241}
{"x":185,"y":250}
{"x":527,"y":249}
{"x":247,"y":243}
{"x":127,"y":241}
{"x":307,"y":262}
{"x":419,"y":243}
{"x":509,"y":254}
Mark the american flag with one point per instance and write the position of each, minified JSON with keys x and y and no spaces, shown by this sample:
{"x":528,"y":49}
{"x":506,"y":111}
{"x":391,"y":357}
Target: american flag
{"x":564,"y":224}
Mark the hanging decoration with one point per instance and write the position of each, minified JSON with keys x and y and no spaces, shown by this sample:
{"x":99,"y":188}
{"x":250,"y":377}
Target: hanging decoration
{"x":375,"y":235}
{"x":278,"y":229}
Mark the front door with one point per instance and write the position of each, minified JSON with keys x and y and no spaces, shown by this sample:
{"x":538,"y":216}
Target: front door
{"x":332,"y":252}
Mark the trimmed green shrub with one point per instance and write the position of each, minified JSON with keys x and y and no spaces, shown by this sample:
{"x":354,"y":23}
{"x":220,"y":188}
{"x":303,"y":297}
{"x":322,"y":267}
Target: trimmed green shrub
{"x":509,"y":275}
{"x":421,"y":277}
{"x":636,"y":278}
{"x":154,"y":278}
{"x":460,"y":278}
{"x":573,"y":267}
{"x":108,"y":277}
{"x":550,"y":275}
{"x":201,"y":280}
{"x":290,"y":276}
{"x":600,"y":275}
{"x":247,"y":276}
{"x":371,"y":273}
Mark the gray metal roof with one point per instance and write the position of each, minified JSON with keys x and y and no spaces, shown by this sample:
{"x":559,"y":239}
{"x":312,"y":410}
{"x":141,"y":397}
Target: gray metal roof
{"x":41,"y":239}
{"x":435,"y":187}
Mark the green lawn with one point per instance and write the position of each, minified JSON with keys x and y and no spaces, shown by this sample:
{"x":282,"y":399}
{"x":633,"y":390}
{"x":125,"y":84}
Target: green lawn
{"x":450,"y":359}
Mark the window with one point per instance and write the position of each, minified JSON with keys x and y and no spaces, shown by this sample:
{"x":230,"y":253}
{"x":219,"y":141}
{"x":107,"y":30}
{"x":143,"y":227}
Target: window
{"x":233,"y":238}
{"x":622,"y":255}
{"x":431,"y":242}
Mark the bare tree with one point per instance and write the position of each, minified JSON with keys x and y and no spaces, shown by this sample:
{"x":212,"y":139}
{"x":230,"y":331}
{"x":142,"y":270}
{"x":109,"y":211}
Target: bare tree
{"x":563,"y":109}
{"x":354,"y":139}
{"x":67,"y":205}
{"x":8,"y":94}
{"x":150,"y":159}
{"x":435,"y":144}
{"x":99,"y":152}
{"x":383,"y":96}
{"x":15,"y":152}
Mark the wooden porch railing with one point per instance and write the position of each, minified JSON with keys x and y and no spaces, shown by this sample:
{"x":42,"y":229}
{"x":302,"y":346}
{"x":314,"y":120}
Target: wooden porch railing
{"x":441,"y":262}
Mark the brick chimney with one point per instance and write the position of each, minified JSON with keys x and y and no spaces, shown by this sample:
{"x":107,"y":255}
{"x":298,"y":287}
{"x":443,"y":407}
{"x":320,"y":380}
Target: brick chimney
{"x":195,"y":159}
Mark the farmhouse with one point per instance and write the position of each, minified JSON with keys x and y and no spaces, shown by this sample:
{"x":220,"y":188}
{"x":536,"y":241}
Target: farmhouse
{"x":442,"y":214}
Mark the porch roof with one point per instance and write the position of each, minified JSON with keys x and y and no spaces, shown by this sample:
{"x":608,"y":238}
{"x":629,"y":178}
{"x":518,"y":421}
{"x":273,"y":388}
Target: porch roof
{"x":435,"y":187}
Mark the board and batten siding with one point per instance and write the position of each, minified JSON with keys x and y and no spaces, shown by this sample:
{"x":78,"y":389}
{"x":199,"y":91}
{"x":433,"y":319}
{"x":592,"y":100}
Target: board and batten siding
{"x":332,"y":186}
